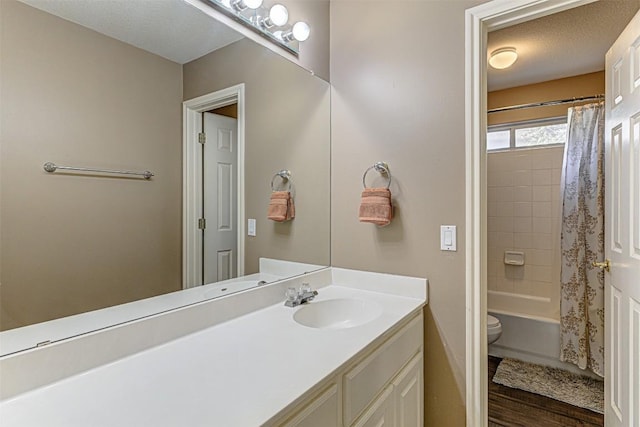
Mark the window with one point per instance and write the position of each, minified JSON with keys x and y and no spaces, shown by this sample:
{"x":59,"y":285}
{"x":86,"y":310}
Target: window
{"x":528,"y":134}
{"x":498,"y":139}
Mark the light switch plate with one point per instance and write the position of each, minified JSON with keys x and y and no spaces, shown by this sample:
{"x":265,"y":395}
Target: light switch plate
{"x":448,"y":238}
{"x":251,"y":227}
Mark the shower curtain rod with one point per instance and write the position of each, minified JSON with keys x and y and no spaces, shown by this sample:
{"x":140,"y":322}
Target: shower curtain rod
{"x":547,"y":103}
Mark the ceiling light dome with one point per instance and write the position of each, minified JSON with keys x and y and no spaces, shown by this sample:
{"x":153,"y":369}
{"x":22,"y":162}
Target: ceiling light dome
{"x":503,"y":58}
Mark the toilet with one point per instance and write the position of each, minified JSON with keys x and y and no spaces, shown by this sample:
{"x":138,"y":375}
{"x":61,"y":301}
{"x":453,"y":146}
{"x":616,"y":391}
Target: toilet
{"x":494,"y":329}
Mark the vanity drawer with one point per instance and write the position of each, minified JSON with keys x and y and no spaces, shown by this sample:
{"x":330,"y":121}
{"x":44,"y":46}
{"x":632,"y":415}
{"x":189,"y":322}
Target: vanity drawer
{"x":367,"y":379}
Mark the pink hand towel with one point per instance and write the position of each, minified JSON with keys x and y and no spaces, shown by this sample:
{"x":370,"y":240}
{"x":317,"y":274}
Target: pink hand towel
{"x":375,"y":206}
{"x":281,"y":207}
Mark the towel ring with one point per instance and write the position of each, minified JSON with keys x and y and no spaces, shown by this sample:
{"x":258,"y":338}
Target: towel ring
{"x":285,"y":175}
{"x":382,"y":168}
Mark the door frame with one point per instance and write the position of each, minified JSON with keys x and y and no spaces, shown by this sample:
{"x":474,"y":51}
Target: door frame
{"x":192,"y":179}
{"x":479,"y":21}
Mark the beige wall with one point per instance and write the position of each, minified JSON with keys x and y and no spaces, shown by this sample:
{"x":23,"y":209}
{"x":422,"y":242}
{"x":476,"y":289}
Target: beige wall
{"x":570,"y":87}
{"x":72,"y":243}
{"x":287,"y":127}
{"x":228,"y":111}
{"x":398,"y":95}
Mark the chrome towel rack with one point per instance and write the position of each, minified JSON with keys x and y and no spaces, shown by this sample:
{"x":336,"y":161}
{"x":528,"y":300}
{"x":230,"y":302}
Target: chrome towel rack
{"x":382,"y":168}
{"x":285,"y":175}
{"x":52,"y":167}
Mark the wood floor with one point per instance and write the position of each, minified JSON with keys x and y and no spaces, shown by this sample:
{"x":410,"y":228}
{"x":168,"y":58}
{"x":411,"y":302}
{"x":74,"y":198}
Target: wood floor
{"x":509,"y":407}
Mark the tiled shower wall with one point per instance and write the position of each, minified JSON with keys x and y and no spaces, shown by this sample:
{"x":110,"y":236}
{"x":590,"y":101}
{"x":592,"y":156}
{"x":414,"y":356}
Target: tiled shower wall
{"x":524,"y":215}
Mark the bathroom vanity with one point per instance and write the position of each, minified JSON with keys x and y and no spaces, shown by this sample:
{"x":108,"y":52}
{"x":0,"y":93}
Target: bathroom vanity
{"x":351,"y":357}
{"x":382,"y":387}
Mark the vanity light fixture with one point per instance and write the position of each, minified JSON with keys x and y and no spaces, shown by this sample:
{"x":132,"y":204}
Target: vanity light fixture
{"x":271,"y":23}
{"x":278,"y":16}
{"x":300,"y":32}
{"x":240,"y":5}
{"x":503,"y":58}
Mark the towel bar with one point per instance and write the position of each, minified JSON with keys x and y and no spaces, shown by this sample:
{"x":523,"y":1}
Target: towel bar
{"x":382,"y":168}
{"x":285,"y":175}
{"x":52,"y":167}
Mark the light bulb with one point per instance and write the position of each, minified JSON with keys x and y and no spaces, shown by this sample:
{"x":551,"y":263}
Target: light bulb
{"x":253,"y":4}
{"x":278,"y":15}
{"x":300,"y":31}
{"x":226,"y":3}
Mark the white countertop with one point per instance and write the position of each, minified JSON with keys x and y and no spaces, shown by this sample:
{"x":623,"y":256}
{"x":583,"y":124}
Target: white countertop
{"x":242,"y":372}
{"x":271,"y":270}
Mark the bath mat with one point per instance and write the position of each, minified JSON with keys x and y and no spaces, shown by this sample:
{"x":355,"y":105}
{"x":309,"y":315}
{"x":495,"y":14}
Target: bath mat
{"x":565,"y":386}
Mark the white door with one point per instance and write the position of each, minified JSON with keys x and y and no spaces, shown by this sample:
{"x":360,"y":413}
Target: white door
{"x":220,"y":196}
{"x":622,"y":232}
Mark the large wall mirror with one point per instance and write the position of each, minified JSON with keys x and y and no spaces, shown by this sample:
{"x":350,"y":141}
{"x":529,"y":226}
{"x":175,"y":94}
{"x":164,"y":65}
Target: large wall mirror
{"x":102,"y":85}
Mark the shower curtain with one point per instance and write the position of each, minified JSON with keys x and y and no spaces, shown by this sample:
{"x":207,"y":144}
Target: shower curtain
{"x":582,"y":240}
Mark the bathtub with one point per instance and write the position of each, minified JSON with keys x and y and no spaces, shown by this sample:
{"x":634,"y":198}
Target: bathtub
{"x":518,"y":304}
{"x":529,"y":336}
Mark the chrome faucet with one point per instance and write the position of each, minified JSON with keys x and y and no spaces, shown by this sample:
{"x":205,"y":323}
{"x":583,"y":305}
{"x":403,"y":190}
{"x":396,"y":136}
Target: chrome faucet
{"x":297,"y":297}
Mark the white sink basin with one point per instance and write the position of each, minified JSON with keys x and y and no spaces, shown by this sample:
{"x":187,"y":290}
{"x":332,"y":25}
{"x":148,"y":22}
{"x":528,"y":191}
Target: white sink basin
{"x":337,"y":313}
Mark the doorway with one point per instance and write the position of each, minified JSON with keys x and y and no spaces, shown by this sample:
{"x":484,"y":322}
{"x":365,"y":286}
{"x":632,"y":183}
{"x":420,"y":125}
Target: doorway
{"x":213,"y":227}
{"x":479,"y":21}
{"x":219,"y":143}
{"x":623,"y":82}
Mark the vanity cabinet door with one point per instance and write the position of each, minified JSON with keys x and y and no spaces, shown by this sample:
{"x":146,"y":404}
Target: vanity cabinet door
{"x":381,"y":411}
{"x":323,"y":411}
{"x":368,"y":377}
{"x":408,"y":391}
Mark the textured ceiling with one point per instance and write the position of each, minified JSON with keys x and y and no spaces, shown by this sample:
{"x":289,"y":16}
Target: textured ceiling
{"x":564,"y":44}
{"x":169,"y":28}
